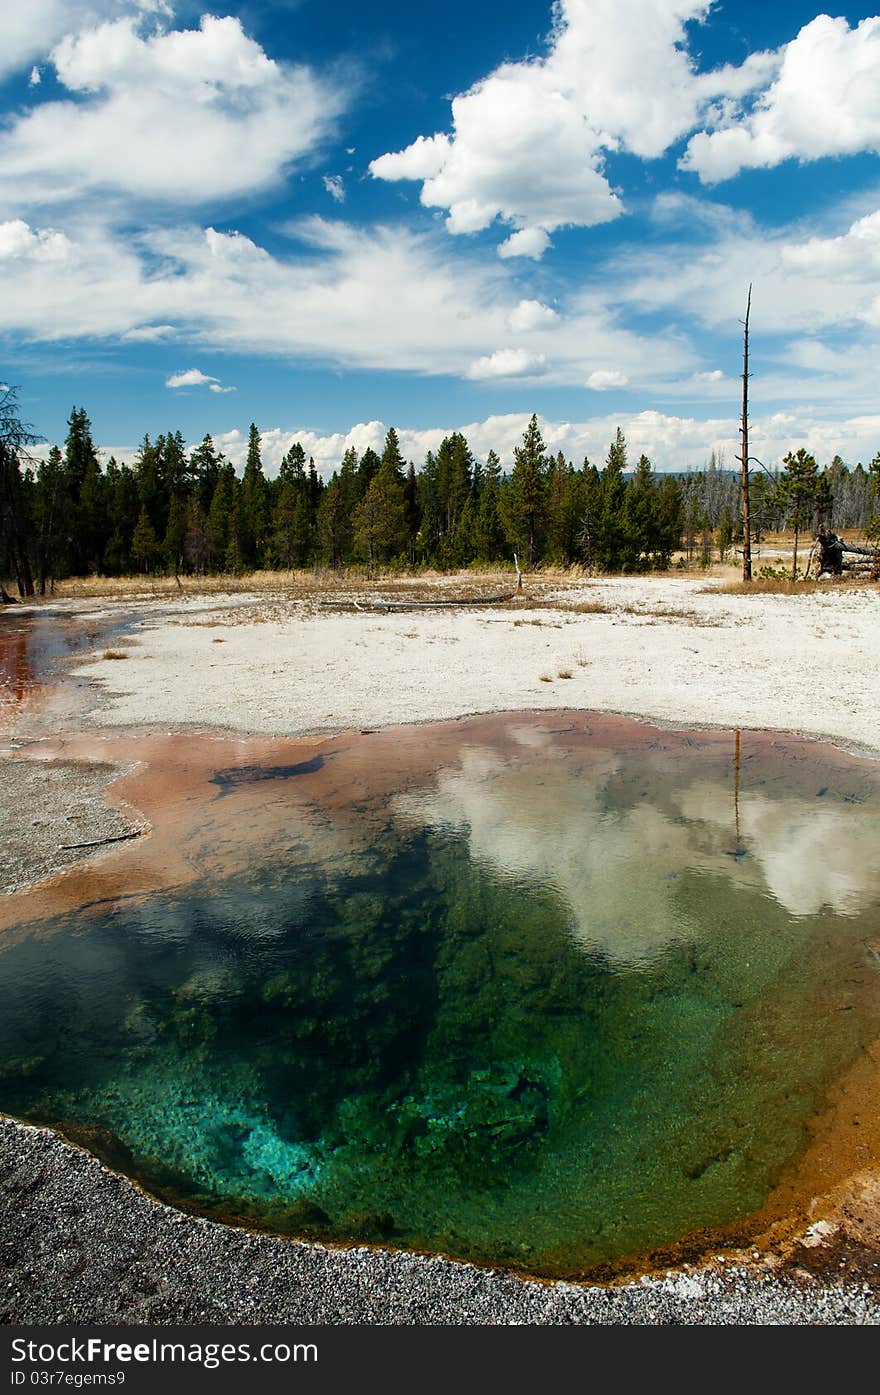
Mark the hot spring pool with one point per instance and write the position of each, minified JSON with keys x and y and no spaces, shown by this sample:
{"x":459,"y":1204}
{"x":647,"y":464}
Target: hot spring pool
{"x":546,"y":991}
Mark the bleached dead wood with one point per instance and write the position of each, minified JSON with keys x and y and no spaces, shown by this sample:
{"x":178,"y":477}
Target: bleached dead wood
{"x":387,"y":606}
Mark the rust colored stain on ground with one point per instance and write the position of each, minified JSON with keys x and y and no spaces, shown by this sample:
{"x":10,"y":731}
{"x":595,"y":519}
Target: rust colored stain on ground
{"x":18,"y":684}
{"x":175,"y":786}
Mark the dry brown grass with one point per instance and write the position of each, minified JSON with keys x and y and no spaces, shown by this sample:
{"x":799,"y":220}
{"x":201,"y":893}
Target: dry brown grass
{"x":545,"y":678}
{"x":565,"y":673}
{"x":586,"y":607}
{"x":115,"y":654}
{"x":314,"y":583}
{"x":768,"y":586}
{"x":650,"y":614}
{"x":775,"y":586}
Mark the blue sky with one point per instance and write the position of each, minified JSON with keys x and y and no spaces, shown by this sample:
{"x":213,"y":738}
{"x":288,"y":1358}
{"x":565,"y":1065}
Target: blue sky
{"x":332,"y":218}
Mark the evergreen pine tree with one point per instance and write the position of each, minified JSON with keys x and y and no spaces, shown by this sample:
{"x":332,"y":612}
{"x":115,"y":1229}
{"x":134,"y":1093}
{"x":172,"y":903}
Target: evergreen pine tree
{"x":589,"y":522}
{"x":223,"y":503}
{"x":430,"y":509}
{"x":174,"y":542}
{"x":49,"y":498}
{"x":150,"y":485}
{"x":392,"y":458}
{"x":609,"y":535}
{"x":123,"y":509}
{"x":82,"y":470}
{"x":253,"y":512}
{"x":639,"y":530}
{"x":380,"y":532}
{"x":488,"y":529}
{"x":79,"y":450}
{"x":412,"y":512}
{"x":367,"y":469}
{"x":524,"y":501}
{"x":144,"y":545}
{"x":799,"y":492}
{"x":669,"y":521}
{"x":454,"y":467}
{"x":16,"y":487}
{"x":195,"y":542}
{"x":204,"y":471}
{"x":334,"y":524}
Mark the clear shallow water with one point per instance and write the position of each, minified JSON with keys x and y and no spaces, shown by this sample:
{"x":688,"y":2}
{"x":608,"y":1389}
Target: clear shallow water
{"x":34,"y":649}
{"x":554,"y":998}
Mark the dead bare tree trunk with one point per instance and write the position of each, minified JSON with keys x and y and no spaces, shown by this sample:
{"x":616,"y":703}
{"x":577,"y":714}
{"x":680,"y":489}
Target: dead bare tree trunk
{"x":744,"y":432}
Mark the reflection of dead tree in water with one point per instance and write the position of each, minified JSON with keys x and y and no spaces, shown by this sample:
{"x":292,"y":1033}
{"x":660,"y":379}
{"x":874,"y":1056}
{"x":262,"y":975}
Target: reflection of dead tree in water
{"x":827,"y":557}
{"x":736,"y":758}
{"x":745,"y":457}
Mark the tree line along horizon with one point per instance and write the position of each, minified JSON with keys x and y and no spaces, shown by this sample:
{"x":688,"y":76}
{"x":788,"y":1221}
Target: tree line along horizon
{"x":181,"y":511}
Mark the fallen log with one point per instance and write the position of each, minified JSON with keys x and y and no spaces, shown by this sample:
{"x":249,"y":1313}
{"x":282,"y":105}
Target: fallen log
{"x":830,"y":550}
{"x":99,"y":842}
{"x":387,"y":606}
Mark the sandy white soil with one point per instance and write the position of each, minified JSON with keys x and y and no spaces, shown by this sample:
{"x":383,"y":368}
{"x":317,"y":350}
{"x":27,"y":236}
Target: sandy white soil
{"x":664,"y":648}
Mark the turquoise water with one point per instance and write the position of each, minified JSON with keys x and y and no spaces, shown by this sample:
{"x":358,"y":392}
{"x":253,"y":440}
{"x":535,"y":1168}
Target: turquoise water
{"x":549,"y":1006}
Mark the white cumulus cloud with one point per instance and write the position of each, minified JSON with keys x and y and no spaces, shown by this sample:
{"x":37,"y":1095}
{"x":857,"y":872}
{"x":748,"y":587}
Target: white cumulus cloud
{"x":29,"y":31}
{"x":19,"y":241}
{"x":181,"y":115}
{"x":604,"y":378}
{"x":670,"y":442}
{"x":528,"y":242}
{"x":825,"y":101}
{"x":529,"y":140}
{"x":853,"y":257}
{"x":531,"y":314}
{"x":194,"y":377}
{"x":507,"y":363}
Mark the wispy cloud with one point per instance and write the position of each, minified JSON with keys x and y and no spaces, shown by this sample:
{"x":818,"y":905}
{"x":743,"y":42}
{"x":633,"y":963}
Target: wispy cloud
{"x":335,"y":187}
{"x":330,"y":305}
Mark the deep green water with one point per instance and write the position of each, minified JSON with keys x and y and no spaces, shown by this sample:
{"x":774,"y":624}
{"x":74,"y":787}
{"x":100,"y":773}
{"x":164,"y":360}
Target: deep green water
{"x":541,"y":1009}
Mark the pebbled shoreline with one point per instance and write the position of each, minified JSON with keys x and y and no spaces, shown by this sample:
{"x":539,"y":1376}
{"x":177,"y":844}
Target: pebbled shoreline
{"x":81,"y":1246}
{"x":55,"y":814}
